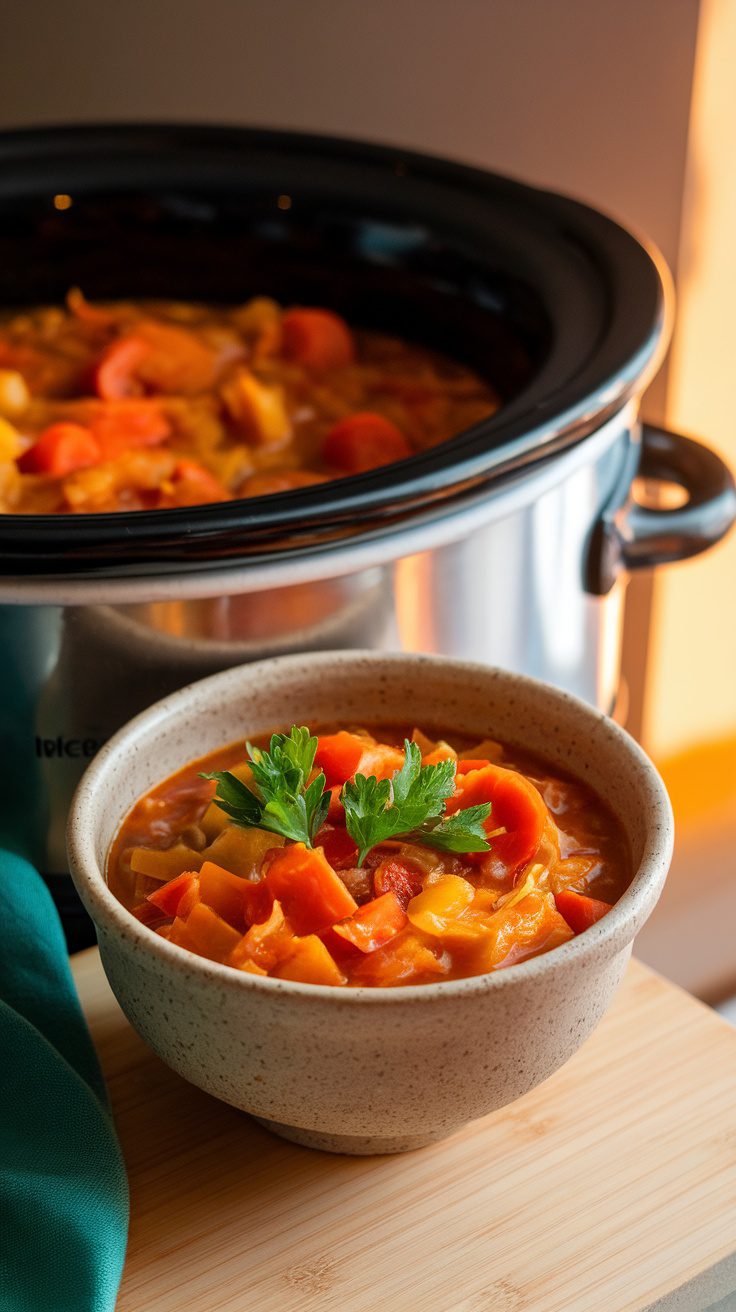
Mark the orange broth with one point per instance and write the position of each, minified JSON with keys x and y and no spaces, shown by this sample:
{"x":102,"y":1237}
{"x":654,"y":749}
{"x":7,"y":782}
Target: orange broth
{"x":410,"y":914}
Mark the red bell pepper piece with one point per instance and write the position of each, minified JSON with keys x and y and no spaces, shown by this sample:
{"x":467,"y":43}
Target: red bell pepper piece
{"x":60,"y":450}
{"x":580,"y":911}
{"x":373,"y":924}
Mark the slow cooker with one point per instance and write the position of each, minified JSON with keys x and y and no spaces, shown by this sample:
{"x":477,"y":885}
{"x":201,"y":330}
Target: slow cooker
{"x":510,"y":544}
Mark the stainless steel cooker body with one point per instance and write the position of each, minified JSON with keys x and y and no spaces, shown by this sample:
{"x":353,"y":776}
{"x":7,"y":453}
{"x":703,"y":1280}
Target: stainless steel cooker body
{"x":530,"y":577}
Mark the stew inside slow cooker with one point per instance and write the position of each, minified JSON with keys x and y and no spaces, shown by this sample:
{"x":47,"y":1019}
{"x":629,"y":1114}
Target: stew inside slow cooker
{"x":151,"y":405}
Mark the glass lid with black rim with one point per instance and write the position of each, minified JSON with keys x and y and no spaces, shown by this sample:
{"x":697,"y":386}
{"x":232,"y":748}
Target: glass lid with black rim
{"x":563,"y":311}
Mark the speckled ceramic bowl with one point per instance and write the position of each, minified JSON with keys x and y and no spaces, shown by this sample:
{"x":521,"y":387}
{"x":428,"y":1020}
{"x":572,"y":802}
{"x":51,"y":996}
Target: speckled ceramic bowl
{"x":366,"y":1070}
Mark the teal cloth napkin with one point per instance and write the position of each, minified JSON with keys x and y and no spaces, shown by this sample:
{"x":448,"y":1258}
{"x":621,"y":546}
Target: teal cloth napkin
{"x":63,"y":1187}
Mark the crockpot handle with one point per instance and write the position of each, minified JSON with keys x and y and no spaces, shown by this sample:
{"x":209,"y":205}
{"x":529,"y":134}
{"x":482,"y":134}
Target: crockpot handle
{"x":630,"y":536}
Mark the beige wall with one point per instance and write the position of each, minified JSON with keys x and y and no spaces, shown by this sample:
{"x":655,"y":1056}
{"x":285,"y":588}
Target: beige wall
{"x":590,"y":96}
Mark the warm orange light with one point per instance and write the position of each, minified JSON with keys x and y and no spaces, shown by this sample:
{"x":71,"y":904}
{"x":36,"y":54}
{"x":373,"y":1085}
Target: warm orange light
{"x":63,"y":202}
{"x":284,"y":202}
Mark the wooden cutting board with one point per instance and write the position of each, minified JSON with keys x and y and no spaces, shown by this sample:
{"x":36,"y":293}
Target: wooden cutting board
{"x":610,"y":1187}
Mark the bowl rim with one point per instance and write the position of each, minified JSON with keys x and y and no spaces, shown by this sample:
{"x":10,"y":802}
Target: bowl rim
{"x":631,"y":909}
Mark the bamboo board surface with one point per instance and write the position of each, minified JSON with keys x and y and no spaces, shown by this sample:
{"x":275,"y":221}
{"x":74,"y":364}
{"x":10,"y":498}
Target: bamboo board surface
{"x":610,"y":1188}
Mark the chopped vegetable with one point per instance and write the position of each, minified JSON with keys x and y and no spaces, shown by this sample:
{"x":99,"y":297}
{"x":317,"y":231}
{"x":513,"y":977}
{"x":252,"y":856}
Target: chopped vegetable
{"x":580,"y":911}
{"x":374,"y":924}
{"x":61,"y":449}
{"x":364,"y":441}
{"x":312,"y":894}
{"x":317,"y":338}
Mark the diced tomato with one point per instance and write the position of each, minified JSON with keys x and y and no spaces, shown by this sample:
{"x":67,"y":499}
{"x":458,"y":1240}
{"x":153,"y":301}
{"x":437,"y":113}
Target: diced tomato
{"x":60,"y":450}
{"x":169,"y":898}
{"x":312,"y":895}
{"x":580,"y":911}
{"x":516,"y":806}
{"x":317,"y":338}
{"x":398,"y":877}
{"x":120,"y":426}
{"x":338,"y":755}
{"x":374,"y":924}
{"x":192,"y":485}
{"x":339,"y":848}
{"x":364,"y":441}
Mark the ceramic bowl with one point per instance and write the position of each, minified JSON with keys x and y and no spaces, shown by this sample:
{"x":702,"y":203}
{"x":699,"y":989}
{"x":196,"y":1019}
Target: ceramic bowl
{"x":367,"y":1070}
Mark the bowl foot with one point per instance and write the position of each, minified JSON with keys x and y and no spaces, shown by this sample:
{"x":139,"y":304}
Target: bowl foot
{"x":355,"y":1145}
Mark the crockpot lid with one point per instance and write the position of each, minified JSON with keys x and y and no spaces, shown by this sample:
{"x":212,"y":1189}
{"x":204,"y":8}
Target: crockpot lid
{"x":477,"y":252}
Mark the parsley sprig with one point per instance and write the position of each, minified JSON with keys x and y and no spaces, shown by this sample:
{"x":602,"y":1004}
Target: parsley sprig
{"x":410,"y":805}
{"x":281,"y":801}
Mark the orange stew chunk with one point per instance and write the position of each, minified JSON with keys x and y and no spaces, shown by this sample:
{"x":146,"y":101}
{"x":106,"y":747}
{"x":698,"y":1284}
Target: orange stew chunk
{"x":317,"y":338}
{"x":579,"y":911}
{"x":364,"y":441}
{"x":360,"y":902}
{"x":239,"y":401}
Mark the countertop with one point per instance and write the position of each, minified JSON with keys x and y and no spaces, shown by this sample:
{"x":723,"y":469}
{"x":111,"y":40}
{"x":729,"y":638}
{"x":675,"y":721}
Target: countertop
{"x":610,"y":1188}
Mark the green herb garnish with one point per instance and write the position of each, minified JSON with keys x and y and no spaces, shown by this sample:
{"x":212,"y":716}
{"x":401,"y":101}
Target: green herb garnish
{"x":411,"y":805}
{"x":282,"y":801}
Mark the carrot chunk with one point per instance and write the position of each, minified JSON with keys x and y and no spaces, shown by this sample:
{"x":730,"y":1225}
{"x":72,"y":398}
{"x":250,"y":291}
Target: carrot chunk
{"x":364,"y":441}
{"x":580,"y":911}
{"x":310,"y":963}
{"x":312,"y":895}
{"x":60,"y":450}
{"x":338,"y":755}
{"x":212,"y":936}
{"x":373,"y":924}
{"x":317,"y":338}
{"x":224,"y":893}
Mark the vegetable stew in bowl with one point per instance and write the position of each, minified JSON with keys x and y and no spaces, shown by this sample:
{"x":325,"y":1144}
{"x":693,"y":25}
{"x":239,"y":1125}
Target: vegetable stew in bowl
{"x":151,"y":405}
{"x":369,"y":858}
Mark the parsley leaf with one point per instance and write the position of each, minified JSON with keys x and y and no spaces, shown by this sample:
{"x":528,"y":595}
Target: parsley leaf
{"x":412,"y":805}
{"x":280,"y":801}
